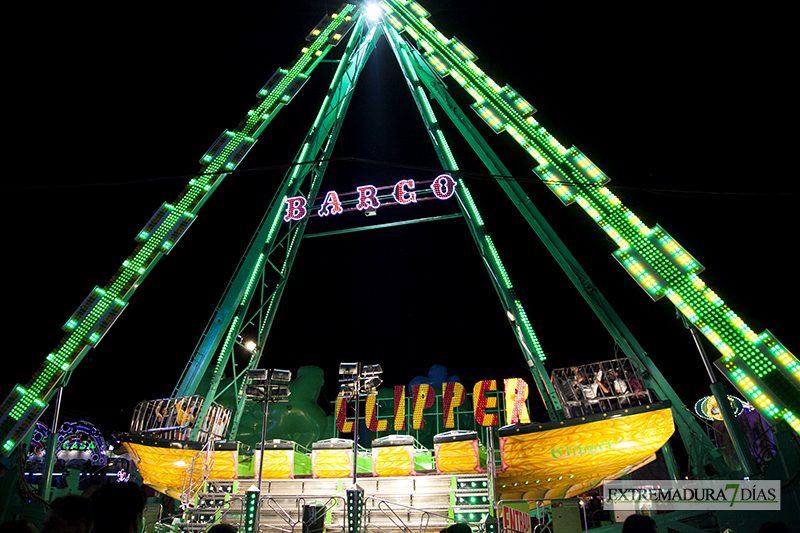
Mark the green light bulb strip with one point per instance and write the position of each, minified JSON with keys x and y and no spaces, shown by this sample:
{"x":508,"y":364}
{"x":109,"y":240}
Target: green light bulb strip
{"x":233,"y":329}
{"x":526,"y":323}
{"x":658,"y":263}
{"x":499,"y":267}
{"x":227,"y":343}
{"x":472,"y":209}
{"x":251,"y":511}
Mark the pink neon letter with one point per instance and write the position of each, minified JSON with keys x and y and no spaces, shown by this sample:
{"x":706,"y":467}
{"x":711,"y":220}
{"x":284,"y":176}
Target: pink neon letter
{"x":443,"y":187}
{"x":402,"y":195}
{"x":367,"y":198}
{"x":295,"y":208}
{"x":331,"y":205}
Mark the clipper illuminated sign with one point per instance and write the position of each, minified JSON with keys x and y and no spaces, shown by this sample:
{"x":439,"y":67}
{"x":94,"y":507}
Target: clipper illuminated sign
{"x":484,"y":399}
{"x":369,"y":198}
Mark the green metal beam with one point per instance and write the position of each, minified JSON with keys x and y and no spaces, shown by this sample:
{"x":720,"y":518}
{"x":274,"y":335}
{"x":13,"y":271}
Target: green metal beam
{"x":230,"y":316}
{"x":523,"y":331}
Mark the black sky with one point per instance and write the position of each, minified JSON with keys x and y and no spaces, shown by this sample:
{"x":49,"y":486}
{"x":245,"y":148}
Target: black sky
{"x":686,"y":108}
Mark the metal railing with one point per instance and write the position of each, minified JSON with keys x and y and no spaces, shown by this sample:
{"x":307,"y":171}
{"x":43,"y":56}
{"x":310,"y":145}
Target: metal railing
{"x":174,"y":419}
{"x":599,"y":387}
{"x":195,"y":476}
{"x":389,"y":510}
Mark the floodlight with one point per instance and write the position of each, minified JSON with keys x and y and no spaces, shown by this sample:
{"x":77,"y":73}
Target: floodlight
{"x":371,"y":370}
{"x":257,"y":374}
{"x":281,"y":375}
{"x":372,"y":382}
{"x":348,"y":369}
{"x":255,"y":393}
{"x":250,"y":346}
{"x":279,"y":393}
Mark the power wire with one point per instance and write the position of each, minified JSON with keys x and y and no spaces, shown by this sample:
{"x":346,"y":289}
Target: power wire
{"x":476,"y":176}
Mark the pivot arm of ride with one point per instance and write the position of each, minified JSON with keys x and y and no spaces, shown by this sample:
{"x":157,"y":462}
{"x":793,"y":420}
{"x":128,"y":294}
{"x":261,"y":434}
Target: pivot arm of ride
{"x":414,"y":71}
{"x":231,"y":315}
{"x":757,"y":364}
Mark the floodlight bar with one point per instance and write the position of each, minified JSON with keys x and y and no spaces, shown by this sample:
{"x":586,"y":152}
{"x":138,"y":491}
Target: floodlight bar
{"x":348,"y":369}
{"x":257,"y":394}
{"x":372,"y":382}
{"x":279,"y":392}
{"x":371,"y":370}
{"x":257,"y":374}
{"x":282,"y":376}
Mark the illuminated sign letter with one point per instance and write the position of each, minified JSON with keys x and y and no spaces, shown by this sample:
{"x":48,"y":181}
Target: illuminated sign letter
{"x":372,"y":415}
{"x":443,"y":187}
{"x":453,"y":396}
{"x":423,"y":398}
{"x":399,"y":408}
{"x":481,"y":402}
{"x":367,"y":198}
{"x":402,"y":194}
{"x":295,"y":208}
{"x":331,"y":205}
{"x":516,"y":393}
{"x":342,"y":424}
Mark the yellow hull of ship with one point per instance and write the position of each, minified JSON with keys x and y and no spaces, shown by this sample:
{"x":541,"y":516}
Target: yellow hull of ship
{"x":565,"y":461}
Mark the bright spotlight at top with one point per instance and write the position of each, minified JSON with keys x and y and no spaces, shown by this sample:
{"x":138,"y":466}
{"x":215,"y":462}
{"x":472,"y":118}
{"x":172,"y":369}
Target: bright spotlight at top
{"x":373,"y":12}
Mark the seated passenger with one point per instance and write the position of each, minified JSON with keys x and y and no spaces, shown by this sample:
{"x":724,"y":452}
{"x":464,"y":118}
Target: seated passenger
{"x":569,"y":396}
{"x":587,"y":390}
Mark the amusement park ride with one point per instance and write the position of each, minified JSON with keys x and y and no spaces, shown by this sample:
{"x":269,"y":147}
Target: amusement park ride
{"x":196,"y":428}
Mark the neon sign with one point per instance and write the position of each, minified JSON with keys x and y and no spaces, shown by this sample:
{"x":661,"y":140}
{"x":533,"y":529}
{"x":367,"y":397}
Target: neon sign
{"x":708,"y":408}
{"x":82,"y":437}
{"x":369,"y":199}
{"x":515,"y":392}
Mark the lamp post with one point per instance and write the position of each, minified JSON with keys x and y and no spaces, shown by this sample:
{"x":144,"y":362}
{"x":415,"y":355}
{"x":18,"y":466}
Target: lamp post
{"x":357,"y":381}
{"x":264,"y":386}
{"x":746,"y":461}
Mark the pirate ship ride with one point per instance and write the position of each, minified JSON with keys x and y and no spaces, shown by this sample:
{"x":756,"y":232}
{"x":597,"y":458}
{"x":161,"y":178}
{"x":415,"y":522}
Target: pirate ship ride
{"x":187,"y":445}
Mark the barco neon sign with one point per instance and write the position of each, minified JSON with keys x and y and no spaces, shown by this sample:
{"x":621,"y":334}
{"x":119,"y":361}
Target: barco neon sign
{"x":403,"y":192}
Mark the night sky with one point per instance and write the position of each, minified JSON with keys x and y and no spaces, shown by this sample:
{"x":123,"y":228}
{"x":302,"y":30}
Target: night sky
{"x":686,"y":108}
